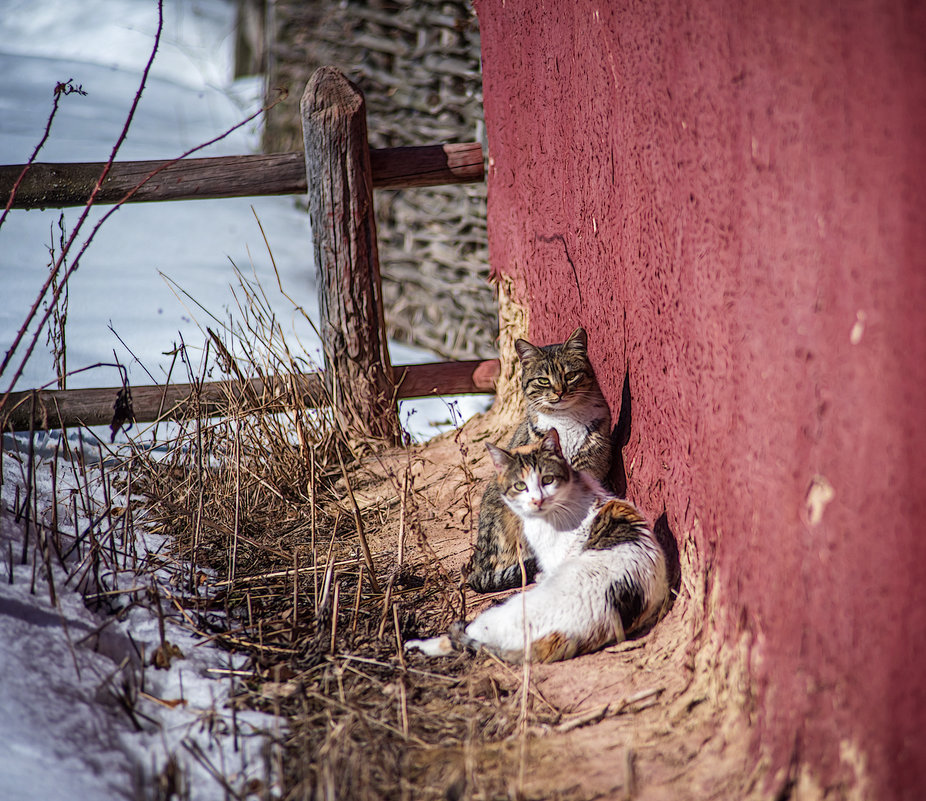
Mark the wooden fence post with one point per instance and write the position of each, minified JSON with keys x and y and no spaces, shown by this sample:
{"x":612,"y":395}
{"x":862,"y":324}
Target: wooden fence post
{"x":340,"y":191}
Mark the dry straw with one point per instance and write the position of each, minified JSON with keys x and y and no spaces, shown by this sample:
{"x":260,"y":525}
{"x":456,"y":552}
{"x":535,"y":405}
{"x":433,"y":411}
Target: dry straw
{"x":291,"y":562}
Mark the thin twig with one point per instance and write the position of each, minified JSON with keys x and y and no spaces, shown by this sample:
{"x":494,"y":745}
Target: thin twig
{"x":74,"y":233}
{"x":358,"y":520}
{"x":76,"y":261}
{"x":61,"y":89}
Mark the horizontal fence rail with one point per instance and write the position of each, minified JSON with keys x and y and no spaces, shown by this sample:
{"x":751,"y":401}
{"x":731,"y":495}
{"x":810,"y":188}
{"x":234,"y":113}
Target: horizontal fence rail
{"x":48,"y":185}
{"x":57,"y":408}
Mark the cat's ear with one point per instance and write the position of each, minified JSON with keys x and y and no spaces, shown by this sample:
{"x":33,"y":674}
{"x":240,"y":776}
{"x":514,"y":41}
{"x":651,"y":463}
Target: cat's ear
{"x":577,"y":339}
{"x":550,"y":443}
{"x":525,"y":349}
{"x":500,"y":458}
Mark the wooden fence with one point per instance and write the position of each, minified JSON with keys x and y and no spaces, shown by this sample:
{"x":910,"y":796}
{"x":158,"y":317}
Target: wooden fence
{"x":338,"y":171}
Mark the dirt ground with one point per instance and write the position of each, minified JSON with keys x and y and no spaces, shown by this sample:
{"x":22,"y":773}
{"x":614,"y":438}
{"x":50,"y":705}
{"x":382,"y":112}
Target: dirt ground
{"x":665,"y":716}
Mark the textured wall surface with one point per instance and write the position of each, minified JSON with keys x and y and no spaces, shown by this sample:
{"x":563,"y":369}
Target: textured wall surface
{"x":730,"y":197}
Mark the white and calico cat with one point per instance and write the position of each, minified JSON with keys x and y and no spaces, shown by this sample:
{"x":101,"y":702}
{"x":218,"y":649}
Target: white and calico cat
{"x":603,"y":573}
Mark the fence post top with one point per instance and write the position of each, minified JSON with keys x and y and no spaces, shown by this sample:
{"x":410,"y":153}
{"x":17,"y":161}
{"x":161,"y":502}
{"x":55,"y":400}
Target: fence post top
{"x":329,"y":88}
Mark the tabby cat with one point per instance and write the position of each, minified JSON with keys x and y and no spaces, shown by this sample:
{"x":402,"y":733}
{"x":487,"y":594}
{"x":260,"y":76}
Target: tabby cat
{"x":603,"y":573}
{"x":561,"y":391}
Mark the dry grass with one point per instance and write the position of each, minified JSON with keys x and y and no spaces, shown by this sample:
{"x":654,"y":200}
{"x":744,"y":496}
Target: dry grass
{"x":316,"y":553}
{"x":303,"y":547}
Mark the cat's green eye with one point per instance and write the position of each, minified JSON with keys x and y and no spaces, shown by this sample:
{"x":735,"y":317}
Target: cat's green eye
{"x":542,"y":382}
{"x":520,"y":486}
{"x":573,"y":377}
{"x":547,"y":480}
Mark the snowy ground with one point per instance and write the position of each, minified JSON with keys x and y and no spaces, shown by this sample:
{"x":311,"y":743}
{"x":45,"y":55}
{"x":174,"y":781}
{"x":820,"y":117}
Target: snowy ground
{"x":83,"y":713}
{"x":63,"y":731}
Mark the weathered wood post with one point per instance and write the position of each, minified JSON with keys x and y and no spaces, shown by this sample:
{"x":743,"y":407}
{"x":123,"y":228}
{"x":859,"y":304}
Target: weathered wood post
{"x":340,"y":188}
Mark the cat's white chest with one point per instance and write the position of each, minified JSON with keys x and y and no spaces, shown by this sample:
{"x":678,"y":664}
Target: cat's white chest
{"x":572,"y":432}
{"x":552,"y":545}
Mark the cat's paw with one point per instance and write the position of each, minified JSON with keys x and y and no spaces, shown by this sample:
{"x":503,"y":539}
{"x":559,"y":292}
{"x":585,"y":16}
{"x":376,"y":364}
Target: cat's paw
{"x":461,"y":639}
{"x":435,"y":646}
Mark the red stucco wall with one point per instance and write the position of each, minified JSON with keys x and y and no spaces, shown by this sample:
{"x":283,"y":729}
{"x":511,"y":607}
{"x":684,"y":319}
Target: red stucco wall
{"x":730,"y":196}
